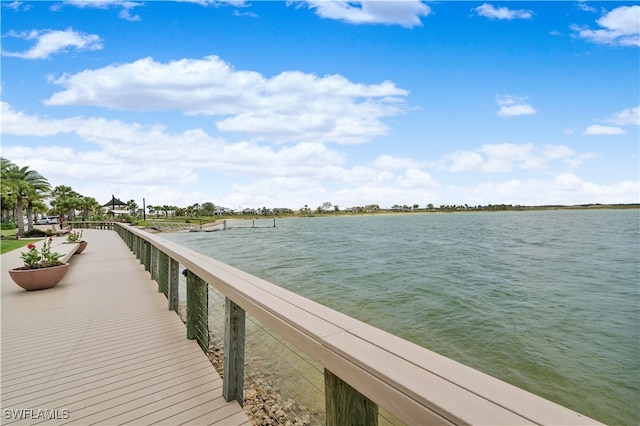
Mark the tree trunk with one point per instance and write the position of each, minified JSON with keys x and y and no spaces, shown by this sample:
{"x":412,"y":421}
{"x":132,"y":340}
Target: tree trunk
{"x":29,"y":216}
{"x":20,"y":215}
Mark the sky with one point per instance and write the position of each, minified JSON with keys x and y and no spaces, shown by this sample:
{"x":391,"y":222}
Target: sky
{"x":250,"y":104}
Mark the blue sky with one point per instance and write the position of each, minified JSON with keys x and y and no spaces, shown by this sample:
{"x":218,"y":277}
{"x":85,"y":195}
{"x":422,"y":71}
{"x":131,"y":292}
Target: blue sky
{"x":286,"y":104}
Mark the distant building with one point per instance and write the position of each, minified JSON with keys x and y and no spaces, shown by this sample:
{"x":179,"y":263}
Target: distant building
{"x":219,"y":210}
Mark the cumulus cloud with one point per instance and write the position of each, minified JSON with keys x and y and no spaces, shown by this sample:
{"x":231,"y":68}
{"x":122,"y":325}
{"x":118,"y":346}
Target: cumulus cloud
{"x":627,"y":117}
{"x":489,"y":11}
{"x":416,"y":178}
{"x":18,"y":123}
{"x":563,"y":189}
{"x":291,"y":106}
{"x":123,"y":146}
{"x":404,"y":13}
{"x":620,"y":26}
{"x":511,"y":106}
{"x":506,"y":157}
{"x":286,"y":176}
{"x":49,"y":42}
{"x":388,"y":162}
{"x":599,"y":130}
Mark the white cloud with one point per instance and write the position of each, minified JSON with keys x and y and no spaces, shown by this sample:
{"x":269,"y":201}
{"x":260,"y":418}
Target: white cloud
{"x":49,"y":42}
{"x":506,"y":157}
{"x":387,"y":162}
{"x":131,"y":158}
{"x":291,"y":106}
{"x":597,"y":129}
{"x":582,"y":5}
{"x":465,"y":161}
{"x":621,"y":26}
{"x":236,"y":3}
{"x":116,"y":149}
{"x":405,"y":13}
{"x":18,"y":123}
{"x":415,"y":178}
{"x":492,"y":12}
{"x":17,"y":6}
{"x":511,"y":106}
{"x":126,"y":6}
{"x":562,"y":189}
{"x":627,"y":117}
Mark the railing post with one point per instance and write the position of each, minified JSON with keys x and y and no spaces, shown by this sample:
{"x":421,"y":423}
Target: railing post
{"x":163,"y":273}
{"x":345,"y":405}
{"x":174,"y":279}
{"x":147,"y":255}
{"x":197,"y":311}
{"x":137,"y":243}
{"x":233,"y":370}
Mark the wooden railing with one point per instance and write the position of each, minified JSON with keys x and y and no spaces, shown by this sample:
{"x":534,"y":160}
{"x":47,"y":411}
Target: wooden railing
{"x":91,"y":224}
{"x":364,"y":367}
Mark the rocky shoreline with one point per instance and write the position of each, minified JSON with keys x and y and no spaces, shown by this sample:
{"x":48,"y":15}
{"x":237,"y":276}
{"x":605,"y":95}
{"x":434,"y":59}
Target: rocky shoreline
{"x":263,"y":403}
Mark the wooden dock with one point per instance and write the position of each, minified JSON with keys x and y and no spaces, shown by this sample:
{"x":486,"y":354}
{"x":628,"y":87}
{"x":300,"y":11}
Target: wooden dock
{"x":102,"y":348}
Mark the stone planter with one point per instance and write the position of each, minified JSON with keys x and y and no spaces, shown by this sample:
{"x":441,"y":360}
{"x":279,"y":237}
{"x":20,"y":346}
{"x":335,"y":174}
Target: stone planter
{"x":83,"y":245}
{"x":39,"y":279}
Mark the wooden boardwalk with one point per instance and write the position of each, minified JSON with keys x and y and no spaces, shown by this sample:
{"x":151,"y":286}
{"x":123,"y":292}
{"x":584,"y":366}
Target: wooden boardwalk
{"x":102,"y":348}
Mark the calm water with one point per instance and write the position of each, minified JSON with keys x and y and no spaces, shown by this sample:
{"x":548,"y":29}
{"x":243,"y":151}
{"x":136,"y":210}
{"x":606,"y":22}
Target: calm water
{"x":548,"y":301}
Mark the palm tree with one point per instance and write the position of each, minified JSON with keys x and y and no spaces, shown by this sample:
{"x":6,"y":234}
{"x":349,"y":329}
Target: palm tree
{"x":21,"y":183}
{"x":132,"y":206}
{"x":88,"y":205}
{"x":35,"y":195}
{"x":65,"y":200}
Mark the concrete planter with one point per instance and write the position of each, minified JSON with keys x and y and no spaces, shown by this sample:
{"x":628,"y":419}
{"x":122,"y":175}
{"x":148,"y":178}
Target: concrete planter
{"x":83,"y":245}
{"x":39,"y":279}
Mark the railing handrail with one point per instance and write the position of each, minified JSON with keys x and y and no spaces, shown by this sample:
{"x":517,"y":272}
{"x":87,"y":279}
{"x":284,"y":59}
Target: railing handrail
{"x":414,"y":384}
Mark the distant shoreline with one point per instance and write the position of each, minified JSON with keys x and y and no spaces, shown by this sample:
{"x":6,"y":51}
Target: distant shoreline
{"x":182,"y":224}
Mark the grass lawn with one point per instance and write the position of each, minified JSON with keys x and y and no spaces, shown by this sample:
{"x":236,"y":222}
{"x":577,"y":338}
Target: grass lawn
{"x":9,"y":245}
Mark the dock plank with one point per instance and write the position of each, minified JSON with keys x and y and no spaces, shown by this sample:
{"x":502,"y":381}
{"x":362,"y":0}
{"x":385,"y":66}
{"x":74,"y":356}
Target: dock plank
{"x":102,"y":348}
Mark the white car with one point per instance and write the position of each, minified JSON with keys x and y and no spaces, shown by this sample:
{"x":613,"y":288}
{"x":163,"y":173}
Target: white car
{"x":46,"y":220}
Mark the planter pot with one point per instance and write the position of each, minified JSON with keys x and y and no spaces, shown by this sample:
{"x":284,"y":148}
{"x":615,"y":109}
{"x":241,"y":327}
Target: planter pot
{"x":39,"y":279}
{"x":83,"y":245}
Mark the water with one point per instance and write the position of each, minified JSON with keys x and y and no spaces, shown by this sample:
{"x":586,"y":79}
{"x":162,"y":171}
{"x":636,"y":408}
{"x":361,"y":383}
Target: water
{"x":546,"y":300}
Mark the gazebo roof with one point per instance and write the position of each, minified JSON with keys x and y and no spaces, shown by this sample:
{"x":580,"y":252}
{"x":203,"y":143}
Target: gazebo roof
{"x":114,"y":202}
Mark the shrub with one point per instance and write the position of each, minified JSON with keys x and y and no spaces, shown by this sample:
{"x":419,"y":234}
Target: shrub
{"x":34,"y":233}
{"x":9,"y":225}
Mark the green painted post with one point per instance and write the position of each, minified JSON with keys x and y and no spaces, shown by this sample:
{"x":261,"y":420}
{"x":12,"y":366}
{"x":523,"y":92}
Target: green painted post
{"x":345,"y":406}
{"x":233,"y":369}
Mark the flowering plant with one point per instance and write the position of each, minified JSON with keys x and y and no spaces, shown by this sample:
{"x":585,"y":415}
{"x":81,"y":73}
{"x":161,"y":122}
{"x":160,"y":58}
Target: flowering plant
{"x":34,"y":259}
{"x":74,"y":237}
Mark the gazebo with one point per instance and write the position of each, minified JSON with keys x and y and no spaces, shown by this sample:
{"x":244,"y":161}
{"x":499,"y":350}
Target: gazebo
{"x":114,"y":206}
